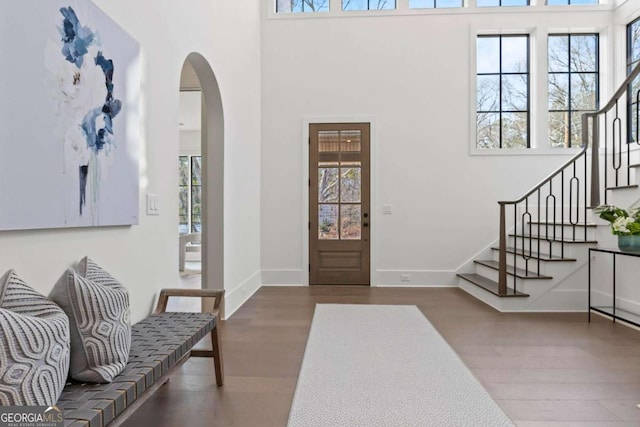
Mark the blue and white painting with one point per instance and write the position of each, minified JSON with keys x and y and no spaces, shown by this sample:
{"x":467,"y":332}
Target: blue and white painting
{"x":69,"y":122}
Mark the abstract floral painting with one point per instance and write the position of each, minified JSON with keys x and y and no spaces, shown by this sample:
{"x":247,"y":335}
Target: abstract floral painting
{"x":69,"y":124}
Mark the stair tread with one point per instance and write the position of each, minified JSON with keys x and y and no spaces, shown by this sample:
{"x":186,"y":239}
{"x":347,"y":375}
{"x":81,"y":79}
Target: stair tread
{"x":520,"y":272}
{"x":622,"y":187}
{"x":541,"y":256}
{"x":634,"y":165}
{"x":566,"y":223}
{"x":536,"y":237}
{"x":489,"y":285}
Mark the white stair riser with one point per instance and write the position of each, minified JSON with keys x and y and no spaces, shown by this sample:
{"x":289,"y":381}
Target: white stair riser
{"x":570,"y":232}
{"x":571,"y":250}
{"x":492,"y":274}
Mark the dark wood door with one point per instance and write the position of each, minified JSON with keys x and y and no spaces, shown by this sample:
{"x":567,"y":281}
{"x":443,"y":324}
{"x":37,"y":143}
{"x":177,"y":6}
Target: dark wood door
{"x":339,"y":196}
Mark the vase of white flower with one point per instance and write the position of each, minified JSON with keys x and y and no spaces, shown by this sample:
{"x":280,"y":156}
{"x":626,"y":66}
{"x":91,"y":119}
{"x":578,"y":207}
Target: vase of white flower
{"x":629,"y":243}
{"x":625,"y":223}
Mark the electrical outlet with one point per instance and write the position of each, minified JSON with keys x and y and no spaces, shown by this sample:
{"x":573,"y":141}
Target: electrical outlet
{"x":405,"y":277}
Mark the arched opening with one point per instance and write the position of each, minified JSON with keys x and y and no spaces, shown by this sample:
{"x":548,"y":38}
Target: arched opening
{"x":197,"y":76}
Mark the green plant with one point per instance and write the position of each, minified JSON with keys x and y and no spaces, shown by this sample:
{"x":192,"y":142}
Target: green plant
{"x":624,"y":222}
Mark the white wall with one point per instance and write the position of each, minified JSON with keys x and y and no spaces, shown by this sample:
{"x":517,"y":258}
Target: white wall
{"x":144,"y":257}
{"x":413,"y":74}
{"x":190,"y":142}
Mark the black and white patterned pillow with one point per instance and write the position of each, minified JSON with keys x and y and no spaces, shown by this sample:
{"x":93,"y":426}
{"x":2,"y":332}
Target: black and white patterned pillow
{"x":98,"y":310}
{"x":34,"y":345}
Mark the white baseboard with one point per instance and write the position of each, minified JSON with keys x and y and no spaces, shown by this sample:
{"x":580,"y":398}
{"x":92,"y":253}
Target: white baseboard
{"x":415,"y":278}
{"x":383,"y":278}
{"x":235,"y":298}
{"x":282,"y":278}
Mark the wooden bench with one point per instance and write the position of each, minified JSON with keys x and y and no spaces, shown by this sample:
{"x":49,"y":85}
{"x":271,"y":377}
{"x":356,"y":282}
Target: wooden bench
{"x":160,"y":344}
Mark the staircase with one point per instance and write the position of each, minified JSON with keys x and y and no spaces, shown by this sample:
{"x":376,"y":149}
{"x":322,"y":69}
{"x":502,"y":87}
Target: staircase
{"x":539,"y":262}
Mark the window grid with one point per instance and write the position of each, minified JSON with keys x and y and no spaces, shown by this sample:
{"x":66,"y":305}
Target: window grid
{"x":434,"y":4}
{"x":501,"y":111}
{"x":349,"y":5}
{"x":500,"y":3}
{"x":570,"y":73}
{"x":571,"y":2}
{"x":301,"y":6}
{"x":633,"y":57}
{"x":196,"y":194}
{"x":190,"y":195}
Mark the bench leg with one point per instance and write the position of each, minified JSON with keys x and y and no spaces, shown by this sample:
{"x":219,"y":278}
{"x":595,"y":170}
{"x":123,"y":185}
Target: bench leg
{"x":217,"y":356}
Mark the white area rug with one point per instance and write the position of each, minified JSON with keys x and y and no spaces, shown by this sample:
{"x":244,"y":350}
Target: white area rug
{"x":385,"y":365}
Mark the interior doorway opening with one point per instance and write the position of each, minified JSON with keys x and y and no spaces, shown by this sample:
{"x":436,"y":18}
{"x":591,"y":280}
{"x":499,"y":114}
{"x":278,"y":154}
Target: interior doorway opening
{"x":201,"y":178}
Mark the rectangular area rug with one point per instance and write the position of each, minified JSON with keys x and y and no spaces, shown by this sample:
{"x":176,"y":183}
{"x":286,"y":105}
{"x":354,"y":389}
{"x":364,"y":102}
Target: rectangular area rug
{"x":385,"y":365}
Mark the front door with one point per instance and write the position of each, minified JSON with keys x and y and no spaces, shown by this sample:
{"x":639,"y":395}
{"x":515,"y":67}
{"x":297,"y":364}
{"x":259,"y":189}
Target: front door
{"x":339,"y":220}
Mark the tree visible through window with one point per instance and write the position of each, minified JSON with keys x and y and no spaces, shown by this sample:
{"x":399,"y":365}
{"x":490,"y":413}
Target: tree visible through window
{"x":190,"y":194}
{"x":502,"y":91}
{"x":573,"y":85}
{"x":368,"y":4}
{"x":301,"y":6}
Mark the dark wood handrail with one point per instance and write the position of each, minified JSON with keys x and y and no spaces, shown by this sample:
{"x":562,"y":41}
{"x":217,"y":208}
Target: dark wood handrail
{"x":573,"y":185}
{"x":612,"y":102}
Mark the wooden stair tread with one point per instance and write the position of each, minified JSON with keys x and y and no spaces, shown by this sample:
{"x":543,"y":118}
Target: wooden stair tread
{"x":623,"y":187}
{"x":489,"y":285}
{"x":519,"y":273}
{"x":592,"y":242}
{"x":634,"y":165}
{"x":535,"y":255}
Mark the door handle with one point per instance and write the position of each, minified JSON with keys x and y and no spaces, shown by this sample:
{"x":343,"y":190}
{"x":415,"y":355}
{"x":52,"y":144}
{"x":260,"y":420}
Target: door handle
{"x":366,"y":224}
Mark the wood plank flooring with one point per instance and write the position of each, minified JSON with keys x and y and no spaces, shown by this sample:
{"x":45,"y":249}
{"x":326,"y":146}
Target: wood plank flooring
{"x":542,"y":369}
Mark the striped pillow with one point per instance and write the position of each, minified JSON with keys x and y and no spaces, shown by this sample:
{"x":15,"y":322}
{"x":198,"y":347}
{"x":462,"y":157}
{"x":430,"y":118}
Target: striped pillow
{"x":98,"y":310}
{"x":34,"y":345}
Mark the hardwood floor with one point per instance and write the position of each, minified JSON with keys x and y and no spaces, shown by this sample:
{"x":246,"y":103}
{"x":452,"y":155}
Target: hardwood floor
{"x":542,"y":369}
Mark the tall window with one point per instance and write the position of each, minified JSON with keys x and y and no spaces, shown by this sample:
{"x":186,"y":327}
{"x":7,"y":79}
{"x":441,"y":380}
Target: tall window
{"x":424,"y":4}
{"x":502,"y":91}
{"x":633,"y":58}
{"x":301,"y":6}
{"x":368,"y":4}
{"x":488,"y":3}
{"x":190,"y":194}
{"x":573,"y":85}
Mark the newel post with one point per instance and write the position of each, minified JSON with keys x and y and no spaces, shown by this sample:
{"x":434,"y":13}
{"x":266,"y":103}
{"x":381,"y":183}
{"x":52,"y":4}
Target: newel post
{"x":502,"y":257}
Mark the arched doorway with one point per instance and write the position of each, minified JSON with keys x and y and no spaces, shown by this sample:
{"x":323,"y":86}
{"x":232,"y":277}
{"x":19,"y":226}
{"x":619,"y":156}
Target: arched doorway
{"x":197,"y":75}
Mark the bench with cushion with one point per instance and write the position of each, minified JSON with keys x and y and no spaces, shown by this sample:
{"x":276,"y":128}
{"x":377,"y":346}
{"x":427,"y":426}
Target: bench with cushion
{"x":160,"y":343}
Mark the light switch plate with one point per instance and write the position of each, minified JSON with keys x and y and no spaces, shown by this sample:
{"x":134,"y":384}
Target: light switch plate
{"x":386,"y":209}
{"x":153,"y":202}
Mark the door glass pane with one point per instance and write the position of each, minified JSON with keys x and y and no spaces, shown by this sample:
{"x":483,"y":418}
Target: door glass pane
{"x":328,"y":141}
{"x":350,"y":185}
{"x":328,"y":222}
{"x":350,"y":141}
{"x":327,"y":185}
{"x":350,"y":226}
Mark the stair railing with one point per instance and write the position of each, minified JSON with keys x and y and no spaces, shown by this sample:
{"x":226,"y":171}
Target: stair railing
{"x":559,"y":202}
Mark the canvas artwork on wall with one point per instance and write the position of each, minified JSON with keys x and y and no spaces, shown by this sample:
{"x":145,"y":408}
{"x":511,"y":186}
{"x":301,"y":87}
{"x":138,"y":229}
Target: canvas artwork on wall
{"x":69,"y":117}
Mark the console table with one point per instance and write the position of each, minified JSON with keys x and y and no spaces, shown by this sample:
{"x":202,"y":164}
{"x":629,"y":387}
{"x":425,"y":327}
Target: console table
{"x":612,"y":311}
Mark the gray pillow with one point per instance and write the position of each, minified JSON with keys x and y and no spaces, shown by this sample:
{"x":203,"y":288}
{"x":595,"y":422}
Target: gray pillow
{"x":98,"y":310}
{"x":34,"y":345}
